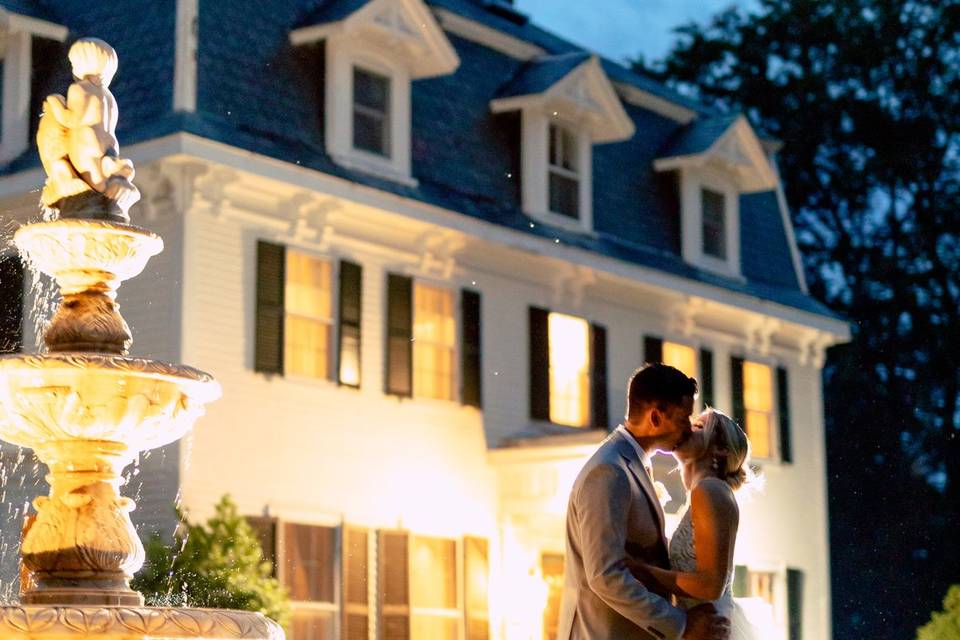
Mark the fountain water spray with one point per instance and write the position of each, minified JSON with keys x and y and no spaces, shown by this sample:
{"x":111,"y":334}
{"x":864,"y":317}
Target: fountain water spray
{"x":85,"y":407}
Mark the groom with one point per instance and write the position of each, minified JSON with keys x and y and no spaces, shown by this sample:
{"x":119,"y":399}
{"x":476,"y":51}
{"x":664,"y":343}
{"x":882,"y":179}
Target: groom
{"x":614,"y":513}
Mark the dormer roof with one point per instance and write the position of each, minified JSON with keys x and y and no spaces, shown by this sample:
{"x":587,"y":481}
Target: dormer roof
{"x":406,"y":28}
{"x":728,"y":140}
{"x":575,"y":87}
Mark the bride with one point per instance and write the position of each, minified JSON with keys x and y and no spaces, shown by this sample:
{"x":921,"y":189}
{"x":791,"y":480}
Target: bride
{"x":713,"y":460}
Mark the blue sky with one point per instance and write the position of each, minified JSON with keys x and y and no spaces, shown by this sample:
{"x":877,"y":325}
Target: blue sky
{"x":621,"y":29}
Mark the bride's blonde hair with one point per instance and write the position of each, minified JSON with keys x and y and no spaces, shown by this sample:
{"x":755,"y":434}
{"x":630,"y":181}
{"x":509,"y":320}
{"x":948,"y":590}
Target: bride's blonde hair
{"x":721,"y":432}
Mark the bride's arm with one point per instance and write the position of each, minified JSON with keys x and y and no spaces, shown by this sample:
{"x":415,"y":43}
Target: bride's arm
{"x":715,"y":519}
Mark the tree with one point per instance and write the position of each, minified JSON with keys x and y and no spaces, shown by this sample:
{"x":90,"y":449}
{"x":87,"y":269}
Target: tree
{"x":865,"y":95}
{"x":219,"y":564}
{"x":944,"y":625}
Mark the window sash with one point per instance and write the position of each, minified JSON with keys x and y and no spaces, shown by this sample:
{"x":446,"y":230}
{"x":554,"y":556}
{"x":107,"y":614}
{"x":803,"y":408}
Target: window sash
{"x":680,"y":356}
{"x":758,"y":402}
{"x":434,"y":342}
{"x":569,"y":369}
{"x":713,"y":210}
{"x":371,"y":112}
{"x":308,"y":315}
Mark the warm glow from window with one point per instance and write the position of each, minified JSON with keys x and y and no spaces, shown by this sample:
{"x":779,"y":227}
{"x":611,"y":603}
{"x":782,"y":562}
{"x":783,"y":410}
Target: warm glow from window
{"x":551,"y":566}
{"x":434,"y":340}
{"x":760,"y":585}
{"x":758,"y":405}
{"x":308,"y":318}
{"x":569,"y":370}
{"x":681,"y":357}
{"x":433,"y":589}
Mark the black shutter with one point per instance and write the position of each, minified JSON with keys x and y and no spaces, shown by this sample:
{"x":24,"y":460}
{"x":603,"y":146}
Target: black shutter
{"x":470,"y":360}
{"x":356,"y":604}
{"x":394,"y":572}
{"x":399,"y":378}
{"x":736,"y":388}
{"x":652,"y":349}
{"x":706,"y":377}
{"x":539,"y":364}
{"x":599,"y":414}
{"x":271,"y":267}
{"x":348,"y":352}
{"x":11,"y":304}
{"x":265,"y":530}
{"x":783,"y":412}
{"x":794,"y":604}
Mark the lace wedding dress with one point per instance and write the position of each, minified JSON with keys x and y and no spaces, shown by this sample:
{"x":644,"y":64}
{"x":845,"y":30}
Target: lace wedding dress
{"x":746,"y":622}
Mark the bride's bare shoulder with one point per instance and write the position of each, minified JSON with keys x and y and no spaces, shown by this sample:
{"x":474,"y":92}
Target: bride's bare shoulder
{"x":715,"y":495}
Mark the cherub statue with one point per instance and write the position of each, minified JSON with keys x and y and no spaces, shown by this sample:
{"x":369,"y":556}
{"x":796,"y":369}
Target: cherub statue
{"x":77,"y":141}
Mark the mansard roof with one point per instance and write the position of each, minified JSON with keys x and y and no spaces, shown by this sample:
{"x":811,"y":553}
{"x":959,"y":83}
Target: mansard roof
{"x":258,"y":93}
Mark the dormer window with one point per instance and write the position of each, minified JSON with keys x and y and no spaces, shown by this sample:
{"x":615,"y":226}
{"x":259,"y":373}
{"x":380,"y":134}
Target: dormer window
{"x":564,"y":180}
{"x":713,"y":209}
{"x":567,"y":105}
{"x":372,"y":56}
{"x":371,"y":112}
{"x":717,"y":160}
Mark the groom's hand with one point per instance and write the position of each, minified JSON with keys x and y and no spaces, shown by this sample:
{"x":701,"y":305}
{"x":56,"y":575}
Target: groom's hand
{"x":705,"y":623}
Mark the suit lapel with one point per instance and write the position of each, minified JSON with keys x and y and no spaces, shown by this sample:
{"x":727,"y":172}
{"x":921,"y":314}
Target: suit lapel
{"x":636,"y":467}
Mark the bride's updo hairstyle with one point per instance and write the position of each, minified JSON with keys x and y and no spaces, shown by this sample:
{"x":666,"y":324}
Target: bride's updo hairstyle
{"x":729,"y":448}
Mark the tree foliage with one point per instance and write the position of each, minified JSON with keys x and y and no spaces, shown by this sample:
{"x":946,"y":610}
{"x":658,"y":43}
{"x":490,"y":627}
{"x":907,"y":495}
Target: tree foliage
{"x":217,"y":564}
{"x":865,"y":95}
{"x":944,"y":625}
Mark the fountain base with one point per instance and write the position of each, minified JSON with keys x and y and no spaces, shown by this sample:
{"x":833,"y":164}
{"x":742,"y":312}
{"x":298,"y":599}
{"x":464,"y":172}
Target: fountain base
{"x":134,"y":623}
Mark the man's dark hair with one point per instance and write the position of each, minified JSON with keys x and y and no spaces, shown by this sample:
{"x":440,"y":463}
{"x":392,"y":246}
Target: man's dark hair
{"x":660,"y":385}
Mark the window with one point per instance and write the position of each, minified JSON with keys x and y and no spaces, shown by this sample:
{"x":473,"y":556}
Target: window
{"x":433,"y":589}
{"x":476,"y":563}
{"x":713,"y":209}
{"x":564,"y":179}
{"x":309,"y":573}
{"x":551,"y":567}
{"x":11,"y":303}
{"x":681,"y":357}
{"x":758,"y":408}
{"x":371,"y":112}
{"x":569,"y":370}
{"x":434,"y":340}
{"x":308,"y":315}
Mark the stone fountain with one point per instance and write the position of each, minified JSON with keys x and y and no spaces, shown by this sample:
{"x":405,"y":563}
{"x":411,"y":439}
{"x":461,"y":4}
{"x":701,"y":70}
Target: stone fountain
{"x":85,"y":407}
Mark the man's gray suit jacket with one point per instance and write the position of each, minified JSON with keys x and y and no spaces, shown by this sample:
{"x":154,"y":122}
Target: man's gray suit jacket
{"x":614,"y":511}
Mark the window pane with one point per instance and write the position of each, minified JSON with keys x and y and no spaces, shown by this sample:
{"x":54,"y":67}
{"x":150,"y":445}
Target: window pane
{"x":349,"y":355}
{"x":433,"y":575}
{"x":309,"y":562}
{"x":569,"y":339}
{"x":714,"y":226}
{"x":564,"y":195}
{"x":434,"y":340}
{"x":434,"y":628}
{"x":758,"y":430}
{"x":680,"y":356}
{"x":761,"y":585}
{"x":551,"y":566}
{"x":758,"y":403}
{"x":307,"y":320}
{"x":563,"y":148}
{"x":371,"y":112}
{"x":311,"y":625}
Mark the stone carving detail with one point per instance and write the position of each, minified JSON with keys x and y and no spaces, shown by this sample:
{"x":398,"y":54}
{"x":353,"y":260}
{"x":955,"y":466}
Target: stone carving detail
{"x":86,"y":177}
{"x":129,"y":623}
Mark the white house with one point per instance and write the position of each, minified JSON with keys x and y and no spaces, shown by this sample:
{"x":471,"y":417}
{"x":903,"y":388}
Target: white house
{"x":422,"y":244}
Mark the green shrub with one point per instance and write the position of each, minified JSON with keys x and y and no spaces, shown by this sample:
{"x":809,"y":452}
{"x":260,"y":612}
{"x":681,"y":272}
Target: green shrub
{"x":944,"y":625}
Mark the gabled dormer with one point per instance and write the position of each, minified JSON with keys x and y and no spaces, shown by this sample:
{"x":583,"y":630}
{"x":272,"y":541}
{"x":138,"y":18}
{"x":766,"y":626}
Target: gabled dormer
{"x":373,"y":52}
{"x":718,"y":159}
{"x":567,"y":105}
{"x":17,"y":32}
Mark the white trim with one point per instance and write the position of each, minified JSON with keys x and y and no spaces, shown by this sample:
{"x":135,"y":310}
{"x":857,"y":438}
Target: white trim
{"x":788,"y":229}
{"x":640,"y":98}
{"x":188,"y":146}
{"x":482,"y":34}
{"x":405,"y":28}
{"x":185,"y":67}
{"x":17,"y":71}
{"x":11,"y":21}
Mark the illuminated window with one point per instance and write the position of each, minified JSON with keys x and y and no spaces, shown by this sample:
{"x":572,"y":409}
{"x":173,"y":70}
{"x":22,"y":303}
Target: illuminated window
{"x":681,"y":357}
{"x":433,"y":589}
{"x":751,"y":583}
{"x":476,"y":587}
{"x":309,"y":574}
{"x":307,"y":315}
{"x":551,"y":567}
{"x":758,"y":407}
{"x":563,"y":170}
{"x":434,"y":342}
{"x":569,"y":340}
{"x":714,"y":219}
{"x":371,"y":112}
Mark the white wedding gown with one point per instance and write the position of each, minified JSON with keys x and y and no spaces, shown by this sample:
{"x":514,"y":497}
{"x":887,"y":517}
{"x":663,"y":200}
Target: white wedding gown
{"x":747,"y":621}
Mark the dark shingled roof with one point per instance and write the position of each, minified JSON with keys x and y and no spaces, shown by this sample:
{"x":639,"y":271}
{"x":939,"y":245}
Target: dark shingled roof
{"x":698,"y":136}
{"x":539,"y":75}
{"x":257,"y":92}
{"x":32,"y":8}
